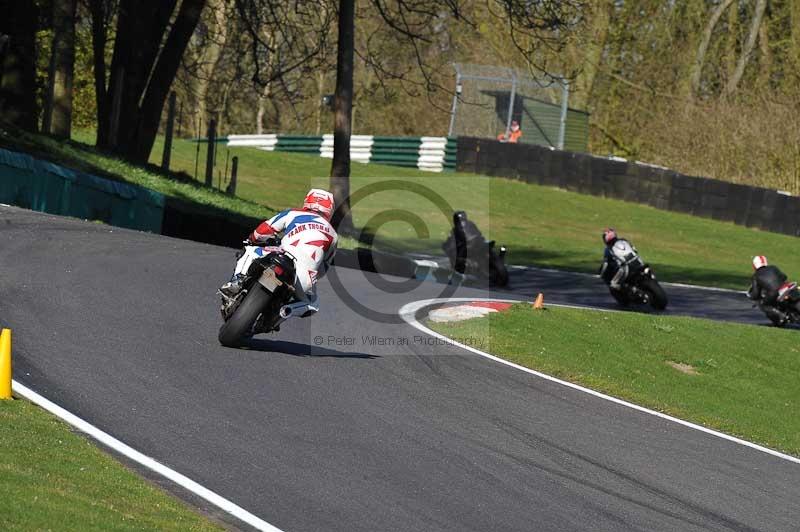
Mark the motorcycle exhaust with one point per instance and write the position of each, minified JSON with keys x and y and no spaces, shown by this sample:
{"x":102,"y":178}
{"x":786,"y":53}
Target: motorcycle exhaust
{"x":285,"y":311}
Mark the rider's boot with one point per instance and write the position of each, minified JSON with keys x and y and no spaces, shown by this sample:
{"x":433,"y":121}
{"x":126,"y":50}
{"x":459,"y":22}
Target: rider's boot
{"x":232,"y":287}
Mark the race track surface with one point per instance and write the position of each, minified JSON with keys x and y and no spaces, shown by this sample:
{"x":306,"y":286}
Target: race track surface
{"x":120,"y":328}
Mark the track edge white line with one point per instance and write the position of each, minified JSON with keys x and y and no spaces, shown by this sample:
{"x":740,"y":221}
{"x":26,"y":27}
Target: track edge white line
{"x":143,"y":460}
{"x":408,"y":311}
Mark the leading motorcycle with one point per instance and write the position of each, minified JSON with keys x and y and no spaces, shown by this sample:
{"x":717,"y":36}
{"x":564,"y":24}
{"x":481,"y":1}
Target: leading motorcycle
{"x":262,"y":304}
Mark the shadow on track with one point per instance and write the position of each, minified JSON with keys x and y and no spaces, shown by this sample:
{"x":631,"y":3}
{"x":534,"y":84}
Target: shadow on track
{"x":301,"y":350}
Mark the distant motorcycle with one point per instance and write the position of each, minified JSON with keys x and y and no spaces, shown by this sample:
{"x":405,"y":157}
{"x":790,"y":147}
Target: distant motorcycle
{"x":788,"y":302}
{"x":640,"y":287}
{"x":470,"y":253}
{"x":260,"y":307}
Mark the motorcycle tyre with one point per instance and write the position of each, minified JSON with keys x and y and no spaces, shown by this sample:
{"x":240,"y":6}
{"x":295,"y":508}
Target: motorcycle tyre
{"x":233,"y":332}
{"x":619,"y":296}
{"x":498,"y":273}
{"x":658,"y":298}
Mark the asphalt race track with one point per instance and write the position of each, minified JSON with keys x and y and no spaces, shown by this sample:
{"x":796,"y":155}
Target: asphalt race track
{"x":120,"y":328}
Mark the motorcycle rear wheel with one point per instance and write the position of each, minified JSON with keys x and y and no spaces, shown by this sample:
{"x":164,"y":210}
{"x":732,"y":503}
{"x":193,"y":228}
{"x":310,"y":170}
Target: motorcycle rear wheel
{"x":241,"y":322}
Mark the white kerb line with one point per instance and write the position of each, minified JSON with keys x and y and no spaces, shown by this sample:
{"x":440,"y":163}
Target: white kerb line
{"x":131,"y":453}
{"x":408,"y":311}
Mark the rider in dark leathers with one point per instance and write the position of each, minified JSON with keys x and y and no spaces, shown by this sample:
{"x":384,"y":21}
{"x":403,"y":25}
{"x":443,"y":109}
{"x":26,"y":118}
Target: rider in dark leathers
{"x":766,"y":282}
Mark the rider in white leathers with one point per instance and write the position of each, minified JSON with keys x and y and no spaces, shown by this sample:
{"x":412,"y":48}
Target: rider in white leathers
{"x":304,"y":233}
{"x":619,"y":255}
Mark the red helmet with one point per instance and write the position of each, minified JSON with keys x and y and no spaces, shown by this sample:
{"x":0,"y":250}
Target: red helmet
{"x":759,"y":261}
{"x":609,"y":236}
{"x":319,"y":201}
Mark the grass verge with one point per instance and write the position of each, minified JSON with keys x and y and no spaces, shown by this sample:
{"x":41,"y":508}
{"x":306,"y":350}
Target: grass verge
{"x":52,"y":478}
{"x":540,"y":225}
{"x":739,"y":379}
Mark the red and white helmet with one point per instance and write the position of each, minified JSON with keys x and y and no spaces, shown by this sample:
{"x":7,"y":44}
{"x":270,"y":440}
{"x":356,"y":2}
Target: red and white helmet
{"x":320,"y":201}
{"x":759,"y":261}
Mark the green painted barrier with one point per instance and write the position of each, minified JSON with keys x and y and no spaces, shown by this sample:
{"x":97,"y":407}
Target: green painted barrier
{"x":46,"y":187}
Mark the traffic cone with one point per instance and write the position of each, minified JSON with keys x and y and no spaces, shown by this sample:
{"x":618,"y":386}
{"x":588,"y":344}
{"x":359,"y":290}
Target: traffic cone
{"x":539,"y":303}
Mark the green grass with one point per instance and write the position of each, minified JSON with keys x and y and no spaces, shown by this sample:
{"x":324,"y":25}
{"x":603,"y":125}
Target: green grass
{"x":81,"y":156}
{"x":746,"y":381}
{"x":52,"y":478}
{"x":540,"y":225}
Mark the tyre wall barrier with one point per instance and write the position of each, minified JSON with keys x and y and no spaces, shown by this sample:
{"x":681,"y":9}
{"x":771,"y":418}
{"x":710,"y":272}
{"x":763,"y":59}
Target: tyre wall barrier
{"x":637,"y":182}
{"x":425,"y":153}
{"x":46,"y":187}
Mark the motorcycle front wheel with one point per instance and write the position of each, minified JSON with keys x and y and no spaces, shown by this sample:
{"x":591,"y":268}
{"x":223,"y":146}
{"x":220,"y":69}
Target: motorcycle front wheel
{"x":233,"y":331}
{"x":658,"y":298}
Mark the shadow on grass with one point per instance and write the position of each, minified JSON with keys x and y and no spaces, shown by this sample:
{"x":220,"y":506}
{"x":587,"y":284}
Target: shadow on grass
{"x":302,"y":350}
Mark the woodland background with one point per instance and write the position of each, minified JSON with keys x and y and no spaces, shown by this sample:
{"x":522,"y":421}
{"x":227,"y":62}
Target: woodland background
{"x":707,"y":87}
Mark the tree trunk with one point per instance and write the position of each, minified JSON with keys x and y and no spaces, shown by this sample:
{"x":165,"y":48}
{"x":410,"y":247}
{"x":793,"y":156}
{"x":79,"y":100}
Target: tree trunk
{"x":697,"y":66}
{"x":340,"y":167}
{"x":211,"y":55}
{"x":262,"y":100}
{"x":57,"y":119}
{"x":141,"y":25}
{"x":146,"y":127}
{"x":18,"y":82}
{"x":99,"y":39}
{"x":730,"y":88}
{"x":320,"y":105}
{"x":765,"y":55}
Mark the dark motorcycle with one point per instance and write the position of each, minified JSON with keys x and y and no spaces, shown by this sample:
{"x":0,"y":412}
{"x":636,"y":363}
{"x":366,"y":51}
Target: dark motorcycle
{"x":641,"y":287}
{"x":260,"y":307}
{"x":470,"y":253}
{"x":788,"y":302}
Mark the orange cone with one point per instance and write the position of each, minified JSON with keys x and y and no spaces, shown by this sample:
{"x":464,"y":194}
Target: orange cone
{"x":539,"y":303}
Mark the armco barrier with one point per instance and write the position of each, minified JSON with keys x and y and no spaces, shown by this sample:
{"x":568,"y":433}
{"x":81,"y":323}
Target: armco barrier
{"x":426,"y":153}
{"x":632,"y":181}
{"x":46,"y":187}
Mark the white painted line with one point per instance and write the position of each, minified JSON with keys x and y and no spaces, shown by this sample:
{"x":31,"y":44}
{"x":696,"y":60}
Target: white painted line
{"x":408,"y":311}
{"x":595,"y":276}
{"x":146,"y":461}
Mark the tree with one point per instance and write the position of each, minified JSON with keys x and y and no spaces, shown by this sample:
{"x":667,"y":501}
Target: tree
{"x":57,"y":119}
{"x":343,"y":116}
{"x":18,"y":81}
{"x":150,"y":39}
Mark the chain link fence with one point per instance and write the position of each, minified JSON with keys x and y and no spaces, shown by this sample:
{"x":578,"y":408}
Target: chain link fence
{"x":488,"y":98}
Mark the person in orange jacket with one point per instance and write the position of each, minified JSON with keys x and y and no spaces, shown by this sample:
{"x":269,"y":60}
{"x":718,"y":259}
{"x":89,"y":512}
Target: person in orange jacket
{"x":513,"y":135}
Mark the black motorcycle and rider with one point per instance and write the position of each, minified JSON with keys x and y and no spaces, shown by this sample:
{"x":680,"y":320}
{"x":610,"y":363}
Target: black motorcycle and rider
{"x":770,"y":291}
{"x":630,"y":280}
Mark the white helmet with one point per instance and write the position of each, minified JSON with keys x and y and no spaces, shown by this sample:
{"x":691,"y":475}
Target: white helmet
{"x":759,"y":261}
{"x":320,"y":201}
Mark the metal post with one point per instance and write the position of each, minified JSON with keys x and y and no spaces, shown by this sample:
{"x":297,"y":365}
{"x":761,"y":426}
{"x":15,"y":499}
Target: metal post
{"x":168,"y":134}
{"x":456,"y":96}
{"x":212,"y":142}
{"x":231,"y":190}
{"x":511,"y":101}
{"x":562,"y":130}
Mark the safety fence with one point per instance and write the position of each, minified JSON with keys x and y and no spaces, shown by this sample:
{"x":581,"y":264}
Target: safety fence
{"x":633,"y":181}
{"x":433,"y":154}
{"x":46,"y":187}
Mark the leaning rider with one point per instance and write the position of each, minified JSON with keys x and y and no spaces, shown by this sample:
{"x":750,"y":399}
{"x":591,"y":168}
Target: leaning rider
{"x":618,"y":257}
{"x":304,"y":233}
{"x":767,"y":281}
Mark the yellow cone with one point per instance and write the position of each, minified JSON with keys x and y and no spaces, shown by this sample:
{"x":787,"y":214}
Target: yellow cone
{"x":5,"y":364}
{"x":539,"y":303}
